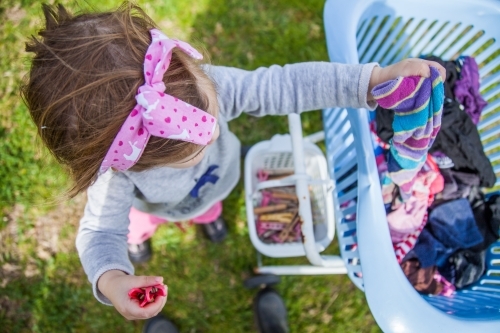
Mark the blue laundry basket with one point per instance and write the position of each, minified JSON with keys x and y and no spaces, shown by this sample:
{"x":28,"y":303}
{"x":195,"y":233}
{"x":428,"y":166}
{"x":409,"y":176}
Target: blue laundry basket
{"x":387,"y":31}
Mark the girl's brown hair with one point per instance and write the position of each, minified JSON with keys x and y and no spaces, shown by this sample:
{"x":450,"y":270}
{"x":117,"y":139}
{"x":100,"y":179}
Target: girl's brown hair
{"x":82,"y":83}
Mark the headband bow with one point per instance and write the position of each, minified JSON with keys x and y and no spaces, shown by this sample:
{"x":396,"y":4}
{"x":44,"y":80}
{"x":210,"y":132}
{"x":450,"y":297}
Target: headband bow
{"x":156,"y":112}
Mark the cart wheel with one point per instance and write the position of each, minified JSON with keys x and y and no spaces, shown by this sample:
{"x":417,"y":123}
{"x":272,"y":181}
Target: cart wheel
{"x":270,"y":312}
{"x":264,"y":280}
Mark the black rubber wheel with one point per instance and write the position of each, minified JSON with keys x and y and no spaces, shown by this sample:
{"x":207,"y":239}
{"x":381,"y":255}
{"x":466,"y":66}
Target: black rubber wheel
{"x":159,"y":324}
{"x":244,"y":151}
{"x":270,"y":312}
{"x":140,"y":253}
{"x":264,"y":280}
{"x":215,"y":231}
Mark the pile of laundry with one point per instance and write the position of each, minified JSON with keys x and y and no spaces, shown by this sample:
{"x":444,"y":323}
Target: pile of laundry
{"x":432,"y":168}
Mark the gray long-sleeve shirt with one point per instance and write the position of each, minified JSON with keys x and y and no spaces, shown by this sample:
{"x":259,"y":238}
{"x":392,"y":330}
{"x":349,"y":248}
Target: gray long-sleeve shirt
{"x":178,"y":194}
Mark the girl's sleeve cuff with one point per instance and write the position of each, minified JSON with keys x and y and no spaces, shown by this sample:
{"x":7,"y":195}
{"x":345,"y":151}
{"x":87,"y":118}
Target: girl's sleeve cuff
{"x":364,"y":82}
{"x":97,"y":293}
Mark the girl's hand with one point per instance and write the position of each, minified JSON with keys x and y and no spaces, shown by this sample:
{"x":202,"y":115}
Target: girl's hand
{"x":407,"y":67}
{"x":115,"y":285}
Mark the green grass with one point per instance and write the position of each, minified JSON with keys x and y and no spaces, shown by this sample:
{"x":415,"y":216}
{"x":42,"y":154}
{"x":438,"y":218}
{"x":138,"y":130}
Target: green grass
{"x":42,"y":285}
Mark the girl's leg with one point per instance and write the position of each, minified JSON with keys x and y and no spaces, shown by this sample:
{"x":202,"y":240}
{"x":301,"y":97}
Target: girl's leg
{"x":142,"y":226}
{"x":212,"y":214}
{"x":213,"y":224}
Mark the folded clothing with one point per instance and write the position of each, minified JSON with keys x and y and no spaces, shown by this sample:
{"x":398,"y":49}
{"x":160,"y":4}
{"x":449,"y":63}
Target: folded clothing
{"x":430,"y":251}
{"x":417,"y":103}
{"x":412,"y":214}
{"x":487,"y":216}
{"x":453,"y":224}
{"x":466,"y":89}
{"x":422,"y":279}
{"x":464,"y":267}
{"x":407,"y":218}
{"x":456,"y":184}
{"x":452,"y":74}
{"x":443,"y":161}
{"x":458,"y":138}
{"x":403,"y":247}
{"x":451,"y":227}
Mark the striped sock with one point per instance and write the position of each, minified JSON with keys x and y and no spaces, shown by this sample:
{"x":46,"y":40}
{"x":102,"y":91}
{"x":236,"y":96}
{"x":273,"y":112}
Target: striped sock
{"x":418,"y":104}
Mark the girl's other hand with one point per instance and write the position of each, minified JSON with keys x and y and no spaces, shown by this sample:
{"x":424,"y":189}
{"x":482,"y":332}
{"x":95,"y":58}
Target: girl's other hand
{"x":115,"y":285}
{"x":407,"y":67}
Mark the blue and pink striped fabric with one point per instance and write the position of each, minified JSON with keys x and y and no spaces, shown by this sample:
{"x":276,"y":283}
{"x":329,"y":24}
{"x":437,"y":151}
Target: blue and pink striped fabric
{"x":418,"y":104}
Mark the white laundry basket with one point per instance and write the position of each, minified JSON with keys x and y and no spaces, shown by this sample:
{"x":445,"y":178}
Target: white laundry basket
{"x":277,"y":155}
{"x":312,"y":185}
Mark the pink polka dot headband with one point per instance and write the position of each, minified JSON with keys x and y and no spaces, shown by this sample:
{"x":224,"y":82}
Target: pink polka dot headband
{"x":157,"y":113}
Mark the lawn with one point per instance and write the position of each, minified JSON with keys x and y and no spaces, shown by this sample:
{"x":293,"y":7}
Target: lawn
{"x":42,"y":285}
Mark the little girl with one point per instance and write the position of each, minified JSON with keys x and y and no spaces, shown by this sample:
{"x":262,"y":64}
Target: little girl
{"x":142,"y":127}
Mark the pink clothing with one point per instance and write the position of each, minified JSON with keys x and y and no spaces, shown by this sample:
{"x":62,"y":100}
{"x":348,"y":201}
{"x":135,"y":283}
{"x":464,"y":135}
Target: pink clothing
{"x":413,"y":213}
{"x":406,"y":218}
{"x":143,"y":225}
{"x":448,"y":288}
{"x":402,"y":248}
